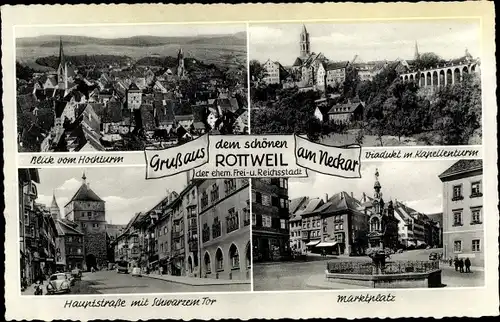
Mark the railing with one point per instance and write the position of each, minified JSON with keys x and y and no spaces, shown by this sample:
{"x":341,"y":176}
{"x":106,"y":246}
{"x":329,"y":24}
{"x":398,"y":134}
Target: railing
{"x":367,"y":268}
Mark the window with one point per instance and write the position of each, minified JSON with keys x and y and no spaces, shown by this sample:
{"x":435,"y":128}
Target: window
{"x":229,"y":185}
{"x":89,"y":214}
{"x":282,"y":203}
{"x":287,"y":204}
{"x":257,"y":198}
{"x":476,"y":215}
{"x":254,"y":218}
{"x":232,"y":220}
{"x":457,"y":218}
{"x":266,"y":221}
{"x":476,"y":245}
{"x":204,"y":199}
{"x":165,"y":229}
{"x":79,"y":251}
{"x":84,"y":225}
{"x":216,"y":228}
{"x":283,"y":223}
{"x":457,"y":193}
{"x":476,"y":189}
{"x":336,"y":226}
{"x":341,"y":226}
{"x":457,"y":246}
{"x":70,"y":239}
{"x":136,"y":239}
{"x":214,"y":194}
{"x":266,"y":200}
{"x":161,"y":247}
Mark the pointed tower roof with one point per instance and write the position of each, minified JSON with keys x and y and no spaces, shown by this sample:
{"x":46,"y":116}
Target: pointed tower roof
{"x":62,"y":61}
{"x":84,"y":193}
{"x":417,"y":54}
{"x":54,"y":202}
{"x":180,"y":53}
{"x":304,"y":30}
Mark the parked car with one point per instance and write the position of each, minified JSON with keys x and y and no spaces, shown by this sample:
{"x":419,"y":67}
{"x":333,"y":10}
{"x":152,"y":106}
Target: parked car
{"x":58,"y":284}
{"x":76,"y":273}
{"x":122,"y":267}
{"x":428,"y":247}
{"x":70,"y":278}
{"x":136,"y":271}
{"x":400,"y":251}
{"x":433,"y":256}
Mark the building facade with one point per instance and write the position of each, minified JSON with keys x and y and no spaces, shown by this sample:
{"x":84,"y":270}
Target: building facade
{"x":87,"y":210}
{"x":270,"y":229}
{"x":224,"y":221}
{"x":463,"y":230}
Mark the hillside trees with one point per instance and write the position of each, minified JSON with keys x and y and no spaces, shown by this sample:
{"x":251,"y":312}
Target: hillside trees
{"x":292,"y":113}
{"x":458,"y":110}
{"x":426,"y":61}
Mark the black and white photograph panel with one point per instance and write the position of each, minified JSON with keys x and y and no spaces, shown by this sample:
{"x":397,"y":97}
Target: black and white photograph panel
{"x":374,"y":84}
{"x":89,"y":231}
{"x":128,"y":87}
{"x":399,"y":226}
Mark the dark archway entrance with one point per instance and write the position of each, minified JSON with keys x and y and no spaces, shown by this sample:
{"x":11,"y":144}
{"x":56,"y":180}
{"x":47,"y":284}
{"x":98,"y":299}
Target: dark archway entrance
{"x":91,"y":261}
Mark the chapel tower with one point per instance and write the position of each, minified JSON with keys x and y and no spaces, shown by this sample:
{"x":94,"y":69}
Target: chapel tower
{"x":305,"y":47}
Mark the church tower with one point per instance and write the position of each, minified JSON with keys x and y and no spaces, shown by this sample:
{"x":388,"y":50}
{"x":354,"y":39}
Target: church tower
{"x":180,"y":63}
{"x":55,"y":212}
{"x":305,"y":47}
{"x":62,"y":68}
{"x":417,"y":54}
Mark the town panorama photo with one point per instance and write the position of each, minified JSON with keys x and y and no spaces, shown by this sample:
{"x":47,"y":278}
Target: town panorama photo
{"x":128,"y":87}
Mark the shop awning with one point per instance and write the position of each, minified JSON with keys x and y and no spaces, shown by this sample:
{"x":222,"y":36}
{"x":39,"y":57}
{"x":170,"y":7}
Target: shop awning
{"x":327,"y":244}
{"x":312,"y":243}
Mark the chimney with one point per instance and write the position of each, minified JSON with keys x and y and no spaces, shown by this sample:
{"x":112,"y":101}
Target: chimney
{"x":326,"y":197}
{"x":352,"y":194}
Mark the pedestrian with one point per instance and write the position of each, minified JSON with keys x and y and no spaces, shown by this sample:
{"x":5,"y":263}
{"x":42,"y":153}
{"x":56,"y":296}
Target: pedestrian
{"x":467,"y":265}
{"x":38,"y":287}
{"x":461,"y":265}
{"x":451,"y":262}
{"x":456,"y":263}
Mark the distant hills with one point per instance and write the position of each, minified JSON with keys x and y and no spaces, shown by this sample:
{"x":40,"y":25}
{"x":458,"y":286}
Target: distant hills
{"x":237,"y":39}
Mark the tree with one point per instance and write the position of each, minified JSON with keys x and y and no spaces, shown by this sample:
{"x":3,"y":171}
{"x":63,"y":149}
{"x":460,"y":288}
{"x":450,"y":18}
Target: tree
{"x":360,"y":136}
{"x":458,"y":110}
{"x":427,"y":61}
{"x":257,"y":72}
{"x":24,"y":72}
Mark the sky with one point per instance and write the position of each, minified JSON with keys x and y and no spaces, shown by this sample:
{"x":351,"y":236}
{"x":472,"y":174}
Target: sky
{"x":370,"y":40}
{"x":123,"y":31}
{"x":417,"y":186}
{"x":124,"y":189}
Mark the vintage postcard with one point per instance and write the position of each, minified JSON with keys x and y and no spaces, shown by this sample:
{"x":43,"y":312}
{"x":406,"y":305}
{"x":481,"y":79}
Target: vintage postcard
{"x":201,"y":161}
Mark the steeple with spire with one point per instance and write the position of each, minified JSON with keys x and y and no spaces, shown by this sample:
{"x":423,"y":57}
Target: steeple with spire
{"x":305,"y":46}
{"x":62,"y":68}
{"x":55,"y":212}
{"x":417,"y":54}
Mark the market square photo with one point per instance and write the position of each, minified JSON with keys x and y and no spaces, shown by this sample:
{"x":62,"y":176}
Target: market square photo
{"x":402,"y":225}
{"x":128,"y":87}
{"x":87,"y":231}
{"x":405,"y":83}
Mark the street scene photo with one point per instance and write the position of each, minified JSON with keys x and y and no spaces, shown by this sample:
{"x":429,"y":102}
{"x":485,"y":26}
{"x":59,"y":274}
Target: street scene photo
{"x":401,"y":225}
{"x":408,"y":83}
{"x":128,"y":87}
{"x":110,"y":231}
